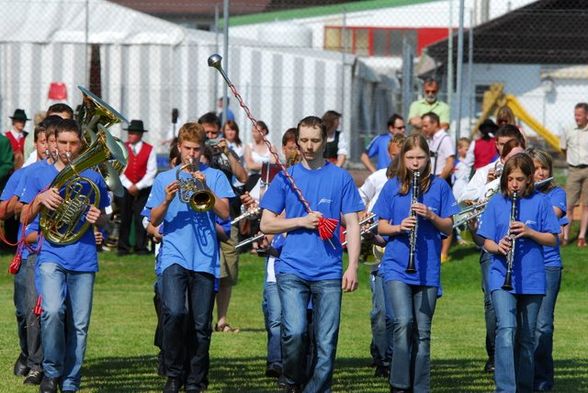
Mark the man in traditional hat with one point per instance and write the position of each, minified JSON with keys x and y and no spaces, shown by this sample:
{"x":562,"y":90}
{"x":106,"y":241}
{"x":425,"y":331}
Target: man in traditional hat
{"x":16,"y":135}
{"x":137,"y":180}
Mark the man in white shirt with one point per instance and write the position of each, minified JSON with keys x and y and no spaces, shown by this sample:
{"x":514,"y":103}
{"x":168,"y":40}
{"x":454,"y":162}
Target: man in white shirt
{"x":137,"y":180}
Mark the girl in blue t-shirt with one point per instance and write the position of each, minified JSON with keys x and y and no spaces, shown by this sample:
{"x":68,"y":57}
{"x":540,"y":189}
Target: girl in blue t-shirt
{"x":533,"y":227}
{"x":553,"y":266}
{"x":411,"y":297}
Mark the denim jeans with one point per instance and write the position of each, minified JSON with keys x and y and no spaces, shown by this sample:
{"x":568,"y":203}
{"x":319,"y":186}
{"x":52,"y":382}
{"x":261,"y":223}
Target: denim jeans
{"x":326,"y":300}
{"x":489,"y":314}
{"x":516,"y":318}
{"x":413,"y":308}
{"x":19,"y":296}
{"x":181,"y":347}
{"x":35,"y":350}
{"x":382,"y":325}
{"x":272,"y":313}
{"x":67,"y":305}
{"x":544,"y":331}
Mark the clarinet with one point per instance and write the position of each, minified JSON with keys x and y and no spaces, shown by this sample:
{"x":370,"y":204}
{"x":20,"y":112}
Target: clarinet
{"x":507,"y":286}
{"x":413,"y":234}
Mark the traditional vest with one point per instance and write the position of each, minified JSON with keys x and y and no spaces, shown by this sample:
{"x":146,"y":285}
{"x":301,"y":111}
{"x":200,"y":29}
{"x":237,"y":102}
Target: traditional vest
{"x":137,"y":164}
{"x":484,"y":152}
{"x":332,"y":148}
{"x":17,"y":144}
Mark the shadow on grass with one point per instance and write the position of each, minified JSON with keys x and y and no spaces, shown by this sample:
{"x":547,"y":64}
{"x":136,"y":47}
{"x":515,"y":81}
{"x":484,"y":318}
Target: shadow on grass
{"x":227,"y":375}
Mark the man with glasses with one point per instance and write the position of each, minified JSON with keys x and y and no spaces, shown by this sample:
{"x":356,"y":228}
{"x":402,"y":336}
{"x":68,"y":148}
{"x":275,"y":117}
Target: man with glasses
{"x":379,"y":145}
{"x":429,"y":103}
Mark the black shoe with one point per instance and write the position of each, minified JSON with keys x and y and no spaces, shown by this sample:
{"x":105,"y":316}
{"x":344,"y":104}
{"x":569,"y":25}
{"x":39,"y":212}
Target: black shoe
{"x":49,"y":385}
{"x":489,"y":367}
{"x":121,"y":253}
{"x":273,"y":371}
{"x":172,"y":385}
{"x":34,"y":377}
{"x":193,"y":391}
{"x":20,"y":366}
{"x":68,"y":391}
{"x":293,"y":389}
{"x":382,"y":372}
{"x":142,"y":252}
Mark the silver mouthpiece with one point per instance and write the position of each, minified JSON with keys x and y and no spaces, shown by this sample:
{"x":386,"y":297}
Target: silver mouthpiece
{"x":215,"y":60}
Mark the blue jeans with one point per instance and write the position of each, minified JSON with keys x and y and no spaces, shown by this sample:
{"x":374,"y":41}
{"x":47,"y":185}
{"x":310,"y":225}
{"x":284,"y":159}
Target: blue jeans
{"x":326,"y":300}
{"x":184,"y":345}
{"x":412,"y":308}
{"x":516,"y":318}
{"x":489,"y":314}
{"x":19,"y":298}
{"x":67,"y":305}
{"x":544,"y":331}
{"x":382,"y":325}
{"x":272,"y":313}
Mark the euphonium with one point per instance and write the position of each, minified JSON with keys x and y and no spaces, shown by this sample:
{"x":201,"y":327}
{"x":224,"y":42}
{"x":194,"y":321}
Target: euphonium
{"x":410,"y":268}
{"x":67,"y":223}
{"x":193,"y":191}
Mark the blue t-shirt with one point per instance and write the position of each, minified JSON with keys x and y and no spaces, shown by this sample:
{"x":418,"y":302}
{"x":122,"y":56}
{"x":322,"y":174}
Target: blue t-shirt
{"x":528,"y":271}
{"x":189,"y":238}
{"x":11,"y":184}
{"x":81,"y":255}
{"x":379,"y":146}
{"x":394,"y":207}
{"x":557,"y":198}
{"x":329,"y":190}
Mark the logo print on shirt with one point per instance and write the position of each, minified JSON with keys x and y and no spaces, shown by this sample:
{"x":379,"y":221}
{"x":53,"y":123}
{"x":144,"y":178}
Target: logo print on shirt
{"x":325,"y":200}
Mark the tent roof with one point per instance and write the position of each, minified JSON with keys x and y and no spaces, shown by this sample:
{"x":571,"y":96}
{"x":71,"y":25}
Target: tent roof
{"x":544,"y":32}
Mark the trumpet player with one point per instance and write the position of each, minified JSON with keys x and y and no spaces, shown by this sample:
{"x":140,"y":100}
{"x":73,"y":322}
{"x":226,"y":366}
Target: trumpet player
{"x":531,"y":225}
{"x":190,"y":262}
{"x":66,"y":272}
{"x":475,"y":192}
{"x":410,"y":298}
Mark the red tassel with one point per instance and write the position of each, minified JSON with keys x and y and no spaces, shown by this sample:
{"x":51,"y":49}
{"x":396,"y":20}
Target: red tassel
{"x":326,"y":227}
{"x":38,"y":309}
{"x":15,"y":264}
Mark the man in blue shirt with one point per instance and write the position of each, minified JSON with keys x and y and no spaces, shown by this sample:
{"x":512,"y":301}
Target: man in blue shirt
{"x":314,"y":271}
{"x":379,"y":145}
{"x":189,"y":260}
{"x":66,"y":272}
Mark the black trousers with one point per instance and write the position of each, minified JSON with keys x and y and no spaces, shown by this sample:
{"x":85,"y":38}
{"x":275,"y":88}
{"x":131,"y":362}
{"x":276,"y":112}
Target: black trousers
{"x":131,"y":208}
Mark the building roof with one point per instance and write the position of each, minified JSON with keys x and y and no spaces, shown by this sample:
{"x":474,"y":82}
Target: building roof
{"x":326,"y":8}
{"x":544,"y":32}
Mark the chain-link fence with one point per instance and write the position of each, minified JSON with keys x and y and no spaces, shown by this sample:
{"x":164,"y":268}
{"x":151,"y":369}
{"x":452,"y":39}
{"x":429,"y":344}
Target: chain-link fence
{"x":291,"y":59}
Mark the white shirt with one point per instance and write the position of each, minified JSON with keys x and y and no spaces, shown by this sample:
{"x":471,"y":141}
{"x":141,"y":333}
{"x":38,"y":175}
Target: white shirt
{"x":575,"y":142}
{"x":476,"y":188}
{"x":371,"y":188}
{"x":32,"y":158}
{"x":442,"y":146}
{"x":147,"y":180}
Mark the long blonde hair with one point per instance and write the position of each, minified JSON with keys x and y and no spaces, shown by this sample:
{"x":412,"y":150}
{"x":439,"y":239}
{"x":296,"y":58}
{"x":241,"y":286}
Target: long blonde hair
{"x":404,"y":175}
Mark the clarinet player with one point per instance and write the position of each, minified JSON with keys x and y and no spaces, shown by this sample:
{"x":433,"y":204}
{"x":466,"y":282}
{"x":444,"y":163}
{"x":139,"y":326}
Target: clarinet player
{"x":516,"y":244}
{"x":411,"y":296}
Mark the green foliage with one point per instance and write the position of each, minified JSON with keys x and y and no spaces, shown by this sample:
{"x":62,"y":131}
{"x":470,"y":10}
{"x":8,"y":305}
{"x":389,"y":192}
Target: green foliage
{"x":121,"y":356}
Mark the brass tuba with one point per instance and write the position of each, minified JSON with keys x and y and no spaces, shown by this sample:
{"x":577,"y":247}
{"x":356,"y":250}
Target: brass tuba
{"x":93,"y":113}
{"x":193,"y":191}
{"x":67,"y":223}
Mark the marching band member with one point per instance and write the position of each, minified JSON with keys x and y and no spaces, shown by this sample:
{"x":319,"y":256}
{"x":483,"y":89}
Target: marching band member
{"x":313,"y":272}
{"x":189,"y":263}
{"x":411,"y":298}
{"x":66,"y":272}
{"x":532,"y":224}
{"x":544,"y":375}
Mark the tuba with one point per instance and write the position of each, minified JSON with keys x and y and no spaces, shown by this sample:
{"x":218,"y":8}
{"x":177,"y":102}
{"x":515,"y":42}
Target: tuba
{"x":67,"y":223}
{"x":193,"y":191}
{"x":92,"y":114}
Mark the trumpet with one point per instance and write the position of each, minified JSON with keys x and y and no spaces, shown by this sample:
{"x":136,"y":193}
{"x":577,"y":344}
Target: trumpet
{"x":193,"y":191}
{"x":507,"y":286}
{"x":410,"y":268}
{"x":250,"y":214}
{"x":364,"y":221}
{"x":249,"y":240}
{"x":364,"y":231}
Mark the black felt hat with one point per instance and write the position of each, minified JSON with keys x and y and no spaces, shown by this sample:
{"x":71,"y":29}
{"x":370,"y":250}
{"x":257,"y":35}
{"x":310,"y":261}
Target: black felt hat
{"x":19,"y":114}
{"x":136,"y":126}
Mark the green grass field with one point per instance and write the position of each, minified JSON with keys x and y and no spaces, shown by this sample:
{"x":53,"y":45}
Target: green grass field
{"x":121,"y":356}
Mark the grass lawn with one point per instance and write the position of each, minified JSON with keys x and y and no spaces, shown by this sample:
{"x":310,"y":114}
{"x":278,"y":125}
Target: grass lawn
{"x":121,"y":356}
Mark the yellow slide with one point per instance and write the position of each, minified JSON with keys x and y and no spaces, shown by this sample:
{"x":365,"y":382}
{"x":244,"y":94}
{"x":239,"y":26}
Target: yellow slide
{"x":494,"y":98}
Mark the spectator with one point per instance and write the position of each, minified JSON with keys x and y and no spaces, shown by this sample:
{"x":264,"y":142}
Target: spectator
{"x":16,"y":135}
{"x":336,"y":150}
{"x":379,"y":145}
{"x":429,"y":103}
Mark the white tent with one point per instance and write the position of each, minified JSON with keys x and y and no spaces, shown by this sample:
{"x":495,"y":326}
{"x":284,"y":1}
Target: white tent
{"x":149,"y":66}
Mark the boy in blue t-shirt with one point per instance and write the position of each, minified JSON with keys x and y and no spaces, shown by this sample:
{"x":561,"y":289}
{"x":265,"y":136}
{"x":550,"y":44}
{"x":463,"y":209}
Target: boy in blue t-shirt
{"x":310,"y":268}
{"x":66,"y":272}
{"x":189,"y":261}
